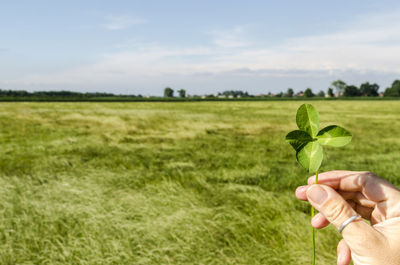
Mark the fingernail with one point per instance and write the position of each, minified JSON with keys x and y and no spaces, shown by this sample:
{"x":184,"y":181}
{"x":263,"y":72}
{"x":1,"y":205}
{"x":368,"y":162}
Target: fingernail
{"x":316,"y":194}
{"x":302,"y":188}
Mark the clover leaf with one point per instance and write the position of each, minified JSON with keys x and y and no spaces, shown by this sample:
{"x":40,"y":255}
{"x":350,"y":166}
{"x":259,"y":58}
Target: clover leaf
{"x":307,"y":119}
{"x":307,"y":140}
{"x":298,"y":139}
{"x":310,"y":156}
{"x":334,"y":136}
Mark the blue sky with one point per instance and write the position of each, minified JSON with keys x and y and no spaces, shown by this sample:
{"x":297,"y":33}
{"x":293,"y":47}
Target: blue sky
{"x":202,"y":46}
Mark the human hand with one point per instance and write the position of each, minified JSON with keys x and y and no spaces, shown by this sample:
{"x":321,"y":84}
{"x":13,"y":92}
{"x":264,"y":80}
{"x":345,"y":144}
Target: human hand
{"x":339,"y":195}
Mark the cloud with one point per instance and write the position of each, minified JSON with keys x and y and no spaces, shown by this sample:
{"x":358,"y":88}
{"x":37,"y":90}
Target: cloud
{"x":232,"y":38}
{"x":122,"y":22}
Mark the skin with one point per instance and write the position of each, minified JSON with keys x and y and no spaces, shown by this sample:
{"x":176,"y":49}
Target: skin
{"x":340,"y":195}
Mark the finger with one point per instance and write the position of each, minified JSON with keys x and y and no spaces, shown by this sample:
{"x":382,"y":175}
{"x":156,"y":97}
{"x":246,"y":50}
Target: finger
{"x":358,"y":197}
{"x":330,"y":204}
{"x":336,"y":210}
{"x":330,"y":176}
{"x":349,"y":196}
{"x":372,"y":187}
{"x":301,"y":192}
{"x":319,"y":221}
{"x":344,"y":253}
{"x":364,"y":212}
{"x":356,"y":200}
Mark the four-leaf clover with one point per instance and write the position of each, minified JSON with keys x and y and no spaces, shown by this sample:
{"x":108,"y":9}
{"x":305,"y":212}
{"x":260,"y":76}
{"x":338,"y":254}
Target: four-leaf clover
{"x":308,"y":141}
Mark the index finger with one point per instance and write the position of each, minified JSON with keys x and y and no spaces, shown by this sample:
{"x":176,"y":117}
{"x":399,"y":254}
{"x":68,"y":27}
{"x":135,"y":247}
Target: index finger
{"x":374,"y":188}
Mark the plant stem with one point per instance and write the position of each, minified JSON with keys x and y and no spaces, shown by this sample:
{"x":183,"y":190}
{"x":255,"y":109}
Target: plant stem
{"x":313,"y":229}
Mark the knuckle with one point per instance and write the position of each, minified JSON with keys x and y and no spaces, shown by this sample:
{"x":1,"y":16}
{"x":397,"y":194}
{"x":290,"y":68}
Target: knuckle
{"x":364,"y":177}
{"x":335,"y":211}
{"x":368,"y":175}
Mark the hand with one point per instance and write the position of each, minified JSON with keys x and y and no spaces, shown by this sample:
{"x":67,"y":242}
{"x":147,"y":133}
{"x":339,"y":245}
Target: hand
{"x":339,"y":195}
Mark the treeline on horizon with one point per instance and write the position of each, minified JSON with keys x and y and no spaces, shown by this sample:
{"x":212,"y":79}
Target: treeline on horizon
{"x":63,"y":93}
{"x":338,"y":89}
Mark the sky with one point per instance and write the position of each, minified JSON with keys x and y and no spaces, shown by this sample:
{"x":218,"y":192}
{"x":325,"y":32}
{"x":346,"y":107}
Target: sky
{"x":204,"y":47}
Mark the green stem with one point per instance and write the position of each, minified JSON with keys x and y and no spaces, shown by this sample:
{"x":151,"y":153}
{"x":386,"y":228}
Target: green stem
{"x":313,"y":229}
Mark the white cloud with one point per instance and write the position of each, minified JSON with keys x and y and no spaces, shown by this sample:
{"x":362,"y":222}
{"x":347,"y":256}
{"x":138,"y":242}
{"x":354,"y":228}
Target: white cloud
{"x":122,"y":22}
{"x":232,"y":38}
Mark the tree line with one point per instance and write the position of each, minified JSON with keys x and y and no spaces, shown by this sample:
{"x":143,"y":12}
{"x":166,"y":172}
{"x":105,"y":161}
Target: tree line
{"x":58,"y":94}
{"x":338,"y":88}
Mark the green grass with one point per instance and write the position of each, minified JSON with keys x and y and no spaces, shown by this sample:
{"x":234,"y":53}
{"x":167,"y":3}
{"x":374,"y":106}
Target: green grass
{"x":172,"y":183}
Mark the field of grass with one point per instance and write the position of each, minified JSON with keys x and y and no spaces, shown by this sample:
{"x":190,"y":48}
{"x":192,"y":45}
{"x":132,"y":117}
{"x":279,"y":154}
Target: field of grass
{"x":172,"y":183}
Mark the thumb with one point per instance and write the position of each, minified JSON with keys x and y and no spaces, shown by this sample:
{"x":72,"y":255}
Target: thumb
{"x":358,"y":233}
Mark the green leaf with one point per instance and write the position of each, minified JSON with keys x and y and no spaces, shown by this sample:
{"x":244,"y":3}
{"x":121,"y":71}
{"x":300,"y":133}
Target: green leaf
{"x":307,"y":119}
{"x":334,"y":136}
{"x":298,"y":139}
{"x":310,"y":156}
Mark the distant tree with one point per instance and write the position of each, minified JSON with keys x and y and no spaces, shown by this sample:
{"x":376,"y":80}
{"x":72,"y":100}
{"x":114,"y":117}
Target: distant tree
{"x":351,"y":91}
{"x":290,"y":93}
{"x":279,"y":95}
{"x":394,"y":90}
{"x":369,"y":90}
{"x":321,"y":94}
{"x":339,"y":86}
{"x":235,"y":93}
{"x":308,"y":93}
{"x":330,"y":92}
{"x":168,"y":92}
{"x":182,"y":93}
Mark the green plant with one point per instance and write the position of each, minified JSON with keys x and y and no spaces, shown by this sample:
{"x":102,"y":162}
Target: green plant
{"x":308,"y":141}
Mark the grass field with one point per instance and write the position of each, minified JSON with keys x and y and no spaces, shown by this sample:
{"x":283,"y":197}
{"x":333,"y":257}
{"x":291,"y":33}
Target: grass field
{"x":172,"y":183}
